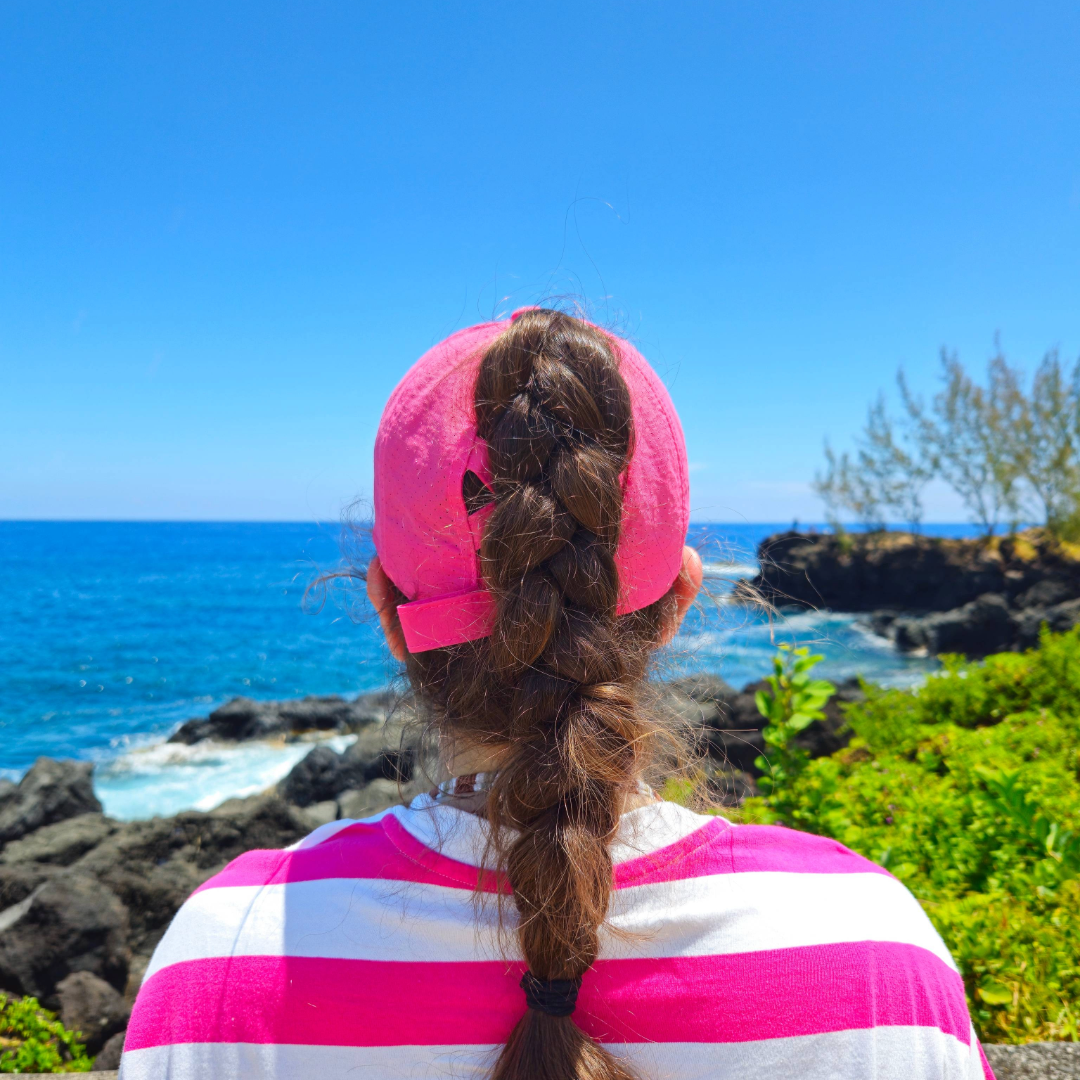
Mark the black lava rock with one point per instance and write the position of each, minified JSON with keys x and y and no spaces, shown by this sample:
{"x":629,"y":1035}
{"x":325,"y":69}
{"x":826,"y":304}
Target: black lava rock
{"x":51,"y":791}
{"x":724,"y":723}
{"x":928,"y":593}
{"x":69,"y":923}
{"x":109,"y":1058}
{"x":324,"y":774}
{"x":315,"y":778}
{"x":61,"y":843}
{"x":984,"y":626}
{"x":90,"y":1005}
{"x":243,"y":718}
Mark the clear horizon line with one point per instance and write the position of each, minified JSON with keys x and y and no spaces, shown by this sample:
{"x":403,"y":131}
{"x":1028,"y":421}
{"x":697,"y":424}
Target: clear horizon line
{"x":786,"y":523}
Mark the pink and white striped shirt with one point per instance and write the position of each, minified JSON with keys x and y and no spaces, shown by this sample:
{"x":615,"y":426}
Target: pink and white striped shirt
{"x":733,"y":951}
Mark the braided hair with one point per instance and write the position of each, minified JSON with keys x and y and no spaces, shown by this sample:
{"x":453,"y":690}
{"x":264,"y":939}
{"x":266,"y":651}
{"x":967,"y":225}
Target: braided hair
{"x":555,"y":688}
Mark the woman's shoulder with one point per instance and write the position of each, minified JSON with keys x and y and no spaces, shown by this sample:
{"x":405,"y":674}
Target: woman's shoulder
{"x":339,"y":847}
{"x":762,"y":887}
{"x":244,"y":904}
{"x":798,"y":935}
{"x":330,"y":898}
{"x":686,"y":843}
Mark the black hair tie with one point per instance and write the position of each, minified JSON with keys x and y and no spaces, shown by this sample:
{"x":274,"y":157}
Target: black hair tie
{"x":556,"y":997}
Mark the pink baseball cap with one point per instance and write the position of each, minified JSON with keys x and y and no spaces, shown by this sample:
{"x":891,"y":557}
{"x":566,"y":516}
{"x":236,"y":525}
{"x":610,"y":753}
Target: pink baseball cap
{"x":427,"y":542}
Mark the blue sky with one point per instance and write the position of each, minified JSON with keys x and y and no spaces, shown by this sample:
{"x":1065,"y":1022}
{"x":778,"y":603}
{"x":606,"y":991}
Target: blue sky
{"x":226,"y":230}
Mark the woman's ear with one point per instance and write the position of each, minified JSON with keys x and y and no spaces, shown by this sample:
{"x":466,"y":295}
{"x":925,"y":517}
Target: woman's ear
{"x":687,"y":586}
{"x":380,"y":592}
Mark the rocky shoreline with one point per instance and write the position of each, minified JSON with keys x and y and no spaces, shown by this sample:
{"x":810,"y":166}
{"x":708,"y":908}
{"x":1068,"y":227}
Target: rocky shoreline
{"x":928,"y":594}
{"x":84,"y":899}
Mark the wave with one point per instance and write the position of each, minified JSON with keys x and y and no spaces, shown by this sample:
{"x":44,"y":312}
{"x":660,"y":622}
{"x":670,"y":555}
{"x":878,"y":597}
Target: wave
{"x":145,"y":776}
{"x":729,"y":571}
{"x":741,"y":648}
{"x":164,"y":778}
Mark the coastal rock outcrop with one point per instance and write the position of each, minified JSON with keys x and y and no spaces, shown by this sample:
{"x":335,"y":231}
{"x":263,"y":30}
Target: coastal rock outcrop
{"x":69,"y":923}
{"x":102,"y":907}
{"x":986,"y":625}
{"x":725,"y":724}
{"x":61,"y":843}
{"x":928,"y":594}
{"x":244,"y":718}
{"x":109,"y":1058}
{"x":51,"y":791}
{"x":84,"y":899}
{"x":90,"y":1005}
{"x":323,"y":774}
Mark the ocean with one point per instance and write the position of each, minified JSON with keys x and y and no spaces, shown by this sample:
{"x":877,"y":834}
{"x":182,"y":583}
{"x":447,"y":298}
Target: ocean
{"x":113,"y":633}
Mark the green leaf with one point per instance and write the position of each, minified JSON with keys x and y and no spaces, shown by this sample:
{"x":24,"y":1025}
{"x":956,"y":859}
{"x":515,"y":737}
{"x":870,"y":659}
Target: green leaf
{"x":800,"y":720}
{"x":764,"y":704}
{"x":995,"y":993}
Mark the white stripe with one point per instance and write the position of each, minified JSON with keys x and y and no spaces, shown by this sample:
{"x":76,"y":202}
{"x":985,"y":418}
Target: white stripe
{"x":462,"y":836}
{"x":757,"y":910}
{"x":373,"y":919}
{"x":332,"y":828}
{"x":891,"y":1053}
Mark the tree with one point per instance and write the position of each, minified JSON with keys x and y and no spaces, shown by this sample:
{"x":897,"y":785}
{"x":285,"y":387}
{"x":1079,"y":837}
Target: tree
{"x":1008,"y":454}
{"x":844,"y":487}
{"x":967,"y":439}
{"x":884,"y":479}
{"x":1049,"y":437}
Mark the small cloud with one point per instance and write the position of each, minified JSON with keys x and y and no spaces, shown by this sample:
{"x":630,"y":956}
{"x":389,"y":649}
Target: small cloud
{"x":698,"y":466}
{"x":76,"y":325}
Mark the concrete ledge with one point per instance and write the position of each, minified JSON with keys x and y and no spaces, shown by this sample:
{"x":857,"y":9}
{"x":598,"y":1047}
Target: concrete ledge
{"x":1035,"y":1061}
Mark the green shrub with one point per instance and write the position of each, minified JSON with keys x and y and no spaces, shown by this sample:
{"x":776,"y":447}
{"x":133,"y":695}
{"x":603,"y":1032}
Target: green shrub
{"x":33,"y":1040}
{"x":968,"y":790}
{"x":792,"y":703}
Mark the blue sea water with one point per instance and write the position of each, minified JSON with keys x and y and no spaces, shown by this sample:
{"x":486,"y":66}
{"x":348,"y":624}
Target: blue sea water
{"x":111,"y":634}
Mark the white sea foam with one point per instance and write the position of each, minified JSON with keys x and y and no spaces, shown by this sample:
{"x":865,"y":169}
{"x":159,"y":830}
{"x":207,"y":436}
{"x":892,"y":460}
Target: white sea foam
{"x":729,"y":571}
{"x":742,"y":646}
{"x":165,"y":778}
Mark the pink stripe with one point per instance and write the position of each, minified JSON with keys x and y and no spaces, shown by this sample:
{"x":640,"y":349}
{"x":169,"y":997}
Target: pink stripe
{"x":729,"y":998}
{"x":386,"y":850}
{"x":720,"y":848}
{"x":705,"y":851}
{"x":440,"y":868}
{"x":383,"y":850}
{"x":770,"y":847}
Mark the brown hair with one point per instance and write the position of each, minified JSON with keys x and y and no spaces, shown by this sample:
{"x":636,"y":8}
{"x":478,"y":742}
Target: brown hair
{"x":555,"y":689}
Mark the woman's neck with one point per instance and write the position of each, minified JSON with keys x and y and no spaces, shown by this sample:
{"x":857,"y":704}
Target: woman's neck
{"x":473,"y":759}
{"x":465,"y":758}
